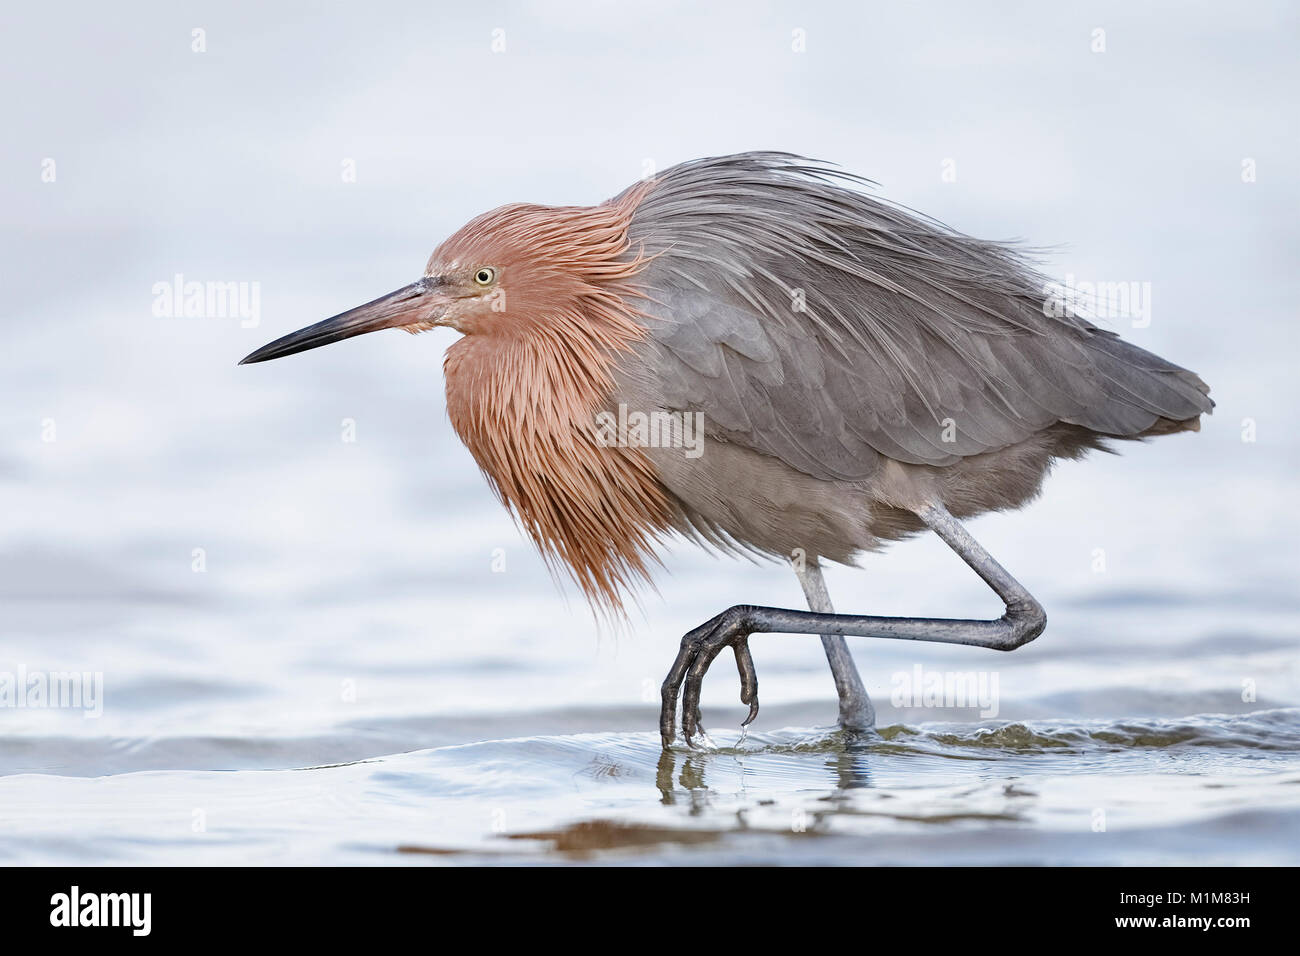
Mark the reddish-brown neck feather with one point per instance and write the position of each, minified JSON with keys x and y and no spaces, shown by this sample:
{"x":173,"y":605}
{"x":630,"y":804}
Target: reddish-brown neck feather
{"x":523,"y":389}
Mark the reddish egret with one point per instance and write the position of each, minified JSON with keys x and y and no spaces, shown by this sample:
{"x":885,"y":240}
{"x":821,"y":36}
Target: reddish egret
{"x":753,"y":353}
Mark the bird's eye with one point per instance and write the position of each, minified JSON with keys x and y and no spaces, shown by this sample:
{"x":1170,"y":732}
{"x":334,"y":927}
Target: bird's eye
{"x":485,"y":275}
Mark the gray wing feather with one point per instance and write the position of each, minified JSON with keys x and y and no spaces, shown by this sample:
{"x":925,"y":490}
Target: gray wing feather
{"x":912,"y":341}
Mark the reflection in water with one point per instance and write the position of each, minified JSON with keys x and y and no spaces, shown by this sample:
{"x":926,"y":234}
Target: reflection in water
{"x":591,"y":835}
{"x":848,"y":762}
{"x":1015,"y":777}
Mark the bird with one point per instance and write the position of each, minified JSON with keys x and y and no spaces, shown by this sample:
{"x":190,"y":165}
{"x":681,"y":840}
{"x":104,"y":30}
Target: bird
{"x":757,"y":354}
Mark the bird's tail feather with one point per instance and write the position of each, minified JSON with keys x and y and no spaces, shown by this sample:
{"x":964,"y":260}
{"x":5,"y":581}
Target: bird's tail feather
{"x":1145,"y":394}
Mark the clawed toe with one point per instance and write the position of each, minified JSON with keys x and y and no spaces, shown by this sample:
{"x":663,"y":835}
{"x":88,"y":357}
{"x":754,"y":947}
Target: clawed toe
{"x":698,"y":650}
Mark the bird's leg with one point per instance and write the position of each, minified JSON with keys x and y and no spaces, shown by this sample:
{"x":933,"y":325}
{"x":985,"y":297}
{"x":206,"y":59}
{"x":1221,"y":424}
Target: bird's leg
{"x":1023,"y":621}
{"x":856,"y":712}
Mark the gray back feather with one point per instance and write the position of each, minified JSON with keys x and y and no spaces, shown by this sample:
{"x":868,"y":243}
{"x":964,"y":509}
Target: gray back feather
{"x":814,"y":323}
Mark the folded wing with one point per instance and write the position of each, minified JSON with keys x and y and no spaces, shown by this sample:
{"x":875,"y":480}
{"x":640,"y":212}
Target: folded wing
{"x":813,"y":323}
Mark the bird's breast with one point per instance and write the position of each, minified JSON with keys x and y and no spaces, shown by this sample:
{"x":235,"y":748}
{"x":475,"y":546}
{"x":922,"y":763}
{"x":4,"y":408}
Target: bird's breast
{"x":529,"y":418}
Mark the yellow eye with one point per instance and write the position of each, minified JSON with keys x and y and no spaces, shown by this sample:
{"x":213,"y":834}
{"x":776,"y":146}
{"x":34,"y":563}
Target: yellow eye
{"x":485,"y":275}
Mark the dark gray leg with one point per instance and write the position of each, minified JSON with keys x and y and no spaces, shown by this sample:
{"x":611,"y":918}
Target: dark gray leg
{"x":856,"y":712}
{"x":1023,"y":621}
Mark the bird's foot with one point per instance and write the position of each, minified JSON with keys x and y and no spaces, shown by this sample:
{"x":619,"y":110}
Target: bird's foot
{"x":699,"y":648}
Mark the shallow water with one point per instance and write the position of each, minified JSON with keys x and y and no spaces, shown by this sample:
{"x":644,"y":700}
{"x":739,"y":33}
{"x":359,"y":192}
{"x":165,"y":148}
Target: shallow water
{"x":1145,"y":791}
{"x":402,"y":750}
{"x":321,"y":641}
{"x":372,"y":709}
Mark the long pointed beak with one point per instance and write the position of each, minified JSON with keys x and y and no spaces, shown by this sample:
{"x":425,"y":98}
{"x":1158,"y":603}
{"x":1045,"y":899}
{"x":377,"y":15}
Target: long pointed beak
{"x":417,"y":302}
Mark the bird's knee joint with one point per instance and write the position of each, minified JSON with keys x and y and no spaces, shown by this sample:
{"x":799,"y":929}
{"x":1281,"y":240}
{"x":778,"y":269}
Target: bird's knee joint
{"x":1027,"y":620}
{"x":734,"y":618}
